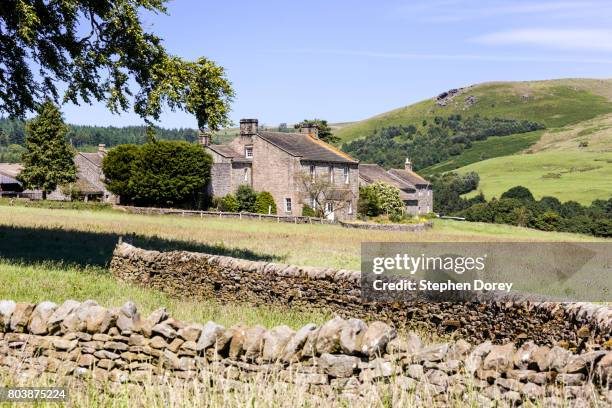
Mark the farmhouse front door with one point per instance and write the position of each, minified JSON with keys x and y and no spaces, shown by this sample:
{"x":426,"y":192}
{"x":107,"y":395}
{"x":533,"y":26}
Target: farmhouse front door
{"x":329,"y":211}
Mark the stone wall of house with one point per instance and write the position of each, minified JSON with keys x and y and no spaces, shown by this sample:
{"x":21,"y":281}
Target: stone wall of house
{"x":342,"y":211}
{"x":221,"y":179}
{"x":238,"y":175}
{"x":501,"y":318}
{"x":339,"y":358}
{"x":274,"y":171}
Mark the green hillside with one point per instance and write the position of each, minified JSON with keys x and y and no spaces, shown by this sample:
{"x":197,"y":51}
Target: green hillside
{"x":553,"y":103}
{"x":486,"y":149}
{"x":569,"y":175}
{"x":571,"y":163}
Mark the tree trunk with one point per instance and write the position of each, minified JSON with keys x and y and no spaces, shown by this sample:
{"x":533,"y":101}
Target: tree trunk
{"x":44,"y":195}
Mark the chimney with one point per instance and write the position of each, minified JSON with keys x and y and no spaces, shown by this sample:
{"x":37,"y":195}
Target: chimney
{"x":101,"y":148}
{"x":310,"y":129}
{"x":248,"y":127}
{"x":408,"y":165}
{"x":204,"y":137}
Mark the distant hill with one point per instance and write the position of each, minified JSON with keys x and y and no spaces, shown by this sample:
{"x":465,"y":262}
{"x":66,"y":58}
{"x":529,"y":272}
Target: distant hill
{"x":553,"y":103}
{"x":573,"y":162}
{"x":571,"y":159}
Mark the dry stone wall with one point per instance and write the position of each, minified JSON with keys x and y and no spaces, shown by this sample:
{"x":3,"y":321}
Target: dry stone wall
{"x":340,"y":357}
{"x":500,"y":319}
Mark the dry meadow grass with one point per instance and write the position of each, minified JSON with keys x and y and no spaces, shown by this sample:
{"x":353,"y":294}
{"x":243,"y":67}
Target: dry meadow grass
{"x":315,"y":245}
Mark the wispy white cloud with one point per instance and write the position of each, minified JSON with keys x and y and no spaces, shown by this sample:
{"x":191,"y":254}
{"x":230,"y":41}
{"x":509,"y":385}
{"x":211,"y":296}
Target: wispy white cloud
{"x":560,"y":39}
{"x":447,"y":57}
{"x":442,"y":11}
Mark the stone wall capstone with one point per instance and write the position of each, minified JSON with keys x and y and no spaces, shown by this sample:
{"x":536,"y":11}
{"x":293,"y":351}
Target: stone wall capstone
{"x":500,"y":319}
{"x":118,"y":345}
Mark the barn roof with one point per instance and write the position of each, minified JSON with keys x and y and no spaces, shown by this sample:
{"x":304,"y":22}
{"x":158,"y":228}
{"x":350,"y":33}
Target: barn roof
{"x":409,"y":177}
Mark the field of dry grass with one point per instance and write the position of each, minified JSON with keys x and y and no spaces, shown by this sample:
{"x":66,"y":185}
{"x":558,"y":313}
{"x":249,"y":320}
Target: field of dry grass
{"x":88,"y":237}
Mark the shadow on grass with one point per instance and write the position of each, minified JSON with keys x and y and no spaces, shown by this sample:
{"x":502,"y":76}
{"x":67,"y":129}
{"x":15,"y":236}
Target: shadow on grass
{"x":36,"y":245}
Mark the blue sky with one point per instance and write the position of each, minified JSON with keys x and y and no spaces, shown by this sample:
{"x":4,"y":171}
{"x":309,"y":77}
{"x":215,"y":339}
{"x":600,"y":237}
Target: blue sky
{"x":348,"y":60}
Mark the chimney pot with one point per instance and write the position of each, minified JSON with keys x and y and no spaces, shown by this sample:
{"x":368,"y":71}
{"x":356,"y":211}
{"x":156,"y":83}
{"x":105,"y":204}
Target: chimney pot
{"x":204,"y":137}
{"x":248,"y":127}
{"x":310,"y":129}
{"x":408,"y":165}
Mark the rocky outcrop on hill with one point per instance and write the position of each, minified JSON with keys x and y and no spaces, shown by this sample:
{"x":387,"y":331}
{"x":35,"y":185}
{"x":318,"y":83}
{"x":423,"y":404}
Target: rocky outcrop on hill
{"x":341,"y":357}
{"x":500,"y":319}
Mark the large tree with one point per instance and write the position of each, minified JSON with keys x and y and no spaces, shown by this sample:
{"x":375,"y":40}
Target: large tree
{"x":48,"y":161}
{"x":325,"y":132}
{"x":98,"y":50}
{"x":161,"y":173}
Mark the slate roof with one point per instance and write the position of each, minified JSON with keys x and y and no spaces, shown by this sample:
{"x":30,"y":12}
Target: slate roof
{"x":86,"y":187}
{"x":95,"y":158}
{"x":10,"y":169}
{"x":409,"y":177}
{"x":224,"y":150}
{"x":372,"y":173}
{"x":306,"y":147}
{"x":9,"y":172}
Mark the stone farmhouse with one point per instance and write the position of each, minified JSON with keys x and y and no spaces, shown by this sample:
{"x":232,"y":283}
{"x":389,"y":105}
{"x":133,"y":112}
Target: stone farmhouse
{"x":415,"y":191}
{"x":286,"y":165}
{"x":88,"y":187}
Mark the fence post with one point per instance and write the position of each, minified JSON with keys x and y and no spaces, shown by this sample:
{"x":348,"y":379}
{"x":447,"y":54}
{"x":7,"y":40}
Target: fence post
{"x":269,"y":209}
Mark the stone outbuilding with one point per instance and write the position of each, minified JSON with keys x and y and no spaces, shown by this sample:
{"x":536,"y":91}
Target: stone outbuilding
{"x":415,"y":191}
{"x":89,"y":185}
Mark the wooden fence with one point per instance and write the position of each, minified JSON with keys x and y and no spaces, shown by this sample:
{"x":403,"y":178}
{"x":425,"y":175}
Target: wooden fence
{"x":218,"y":214}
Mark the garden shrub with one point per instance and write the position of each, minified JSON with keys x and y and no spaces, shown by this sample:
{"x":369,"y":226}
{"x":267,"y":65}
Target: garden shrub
{"x":263,"y":202}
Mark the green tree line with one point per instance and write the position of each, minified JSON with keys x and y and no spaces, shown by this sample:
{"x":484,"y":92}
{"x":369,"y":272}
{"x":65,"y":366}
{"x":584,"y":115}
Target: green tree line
{"x":12,"y":132}
{"x":435,"y":142}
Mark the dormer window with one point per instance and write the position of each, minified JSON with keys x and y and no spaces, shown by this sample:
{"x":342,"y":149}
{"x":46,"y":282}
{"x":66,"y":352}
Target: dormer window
{"x":248,"y":152}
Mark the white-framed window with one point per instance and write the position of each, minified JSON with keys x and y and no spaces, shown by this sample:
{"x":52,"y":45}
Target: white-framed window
{"x":346,"y":175}
{"x":246,"y":174}
{"x":350,"y":207}
{"x":313,"y":170}
{"x":330,"y":170}
{"x":313,"y":202}
{"x":287,"y":205}
{"x":329,"y":207}
{"x":248,"y":152}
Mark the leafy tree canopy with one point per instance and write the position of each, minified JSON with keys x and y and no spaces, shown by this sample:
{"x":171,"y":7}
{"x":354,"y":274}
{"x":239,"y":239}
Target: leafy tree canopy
{"x":520,"y":193}
{"x":164,"y":173}
{"x":48,"y":161}
{"x":247,"y":198}
{"x":325,"y":132}
{"x":379,"y":198}
{"x":434,"y":143}
{"x":98,"y":49}
{"x":118,"y":168}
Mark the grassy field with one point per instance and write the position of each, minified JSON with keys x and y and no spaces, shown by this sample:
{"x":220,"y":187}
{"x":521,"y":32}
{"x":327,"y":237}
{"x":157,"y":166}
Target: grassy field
{"x":56,"y":282}
{"x":567,"y":175}
{"x":51,"y":254}
{"x":87,"y":238}
{"x":486,"y":149}
{"x":553,"y":103}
